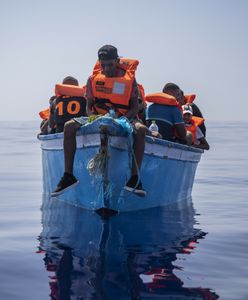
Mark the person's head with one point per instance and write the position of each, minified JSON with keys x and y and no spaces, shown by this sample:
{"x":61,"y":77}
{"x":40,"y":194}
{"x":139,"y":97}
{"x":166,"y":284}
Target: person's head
{"x":70,"y":80}
{"x":181,"y":99}
{"x":172,"y":89}
{"x":187,"y":113}
{"x":109,"y":59}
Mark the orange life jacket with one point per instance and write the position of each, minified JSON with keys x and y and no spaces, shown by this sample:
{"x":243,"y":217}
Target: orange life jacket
{"x":69,"y":90}
{"x":163,"y":99}
{"x":70,"y":103}
{"x":63,"y":90}
{"x":45,"y":114}
{"x":195,"y":122}
{"x":189,"y":98}
{"x":113,"y":92}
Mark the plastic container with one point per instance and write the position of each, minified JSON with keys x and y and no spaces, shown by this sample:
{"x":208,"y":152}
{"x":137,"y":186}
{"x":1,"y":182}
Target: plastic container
{"x":112,"y":113}
{"x":153,"y":127}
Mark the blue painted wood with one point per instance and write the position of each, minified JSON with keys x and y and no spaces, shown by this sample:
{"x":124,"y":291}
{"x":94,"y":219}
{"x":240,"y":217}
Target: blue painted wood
{"x":167,"y":172}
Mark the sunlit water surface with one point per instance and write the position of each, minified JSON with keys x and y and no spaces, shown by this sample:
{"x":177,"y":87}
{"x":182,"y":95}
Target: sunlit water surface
{"x":50,"y":250}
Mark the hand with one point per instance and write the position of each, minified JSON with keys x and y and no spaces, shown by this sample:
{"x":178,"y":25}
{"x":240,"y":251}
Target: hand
{"x":156,"y":135}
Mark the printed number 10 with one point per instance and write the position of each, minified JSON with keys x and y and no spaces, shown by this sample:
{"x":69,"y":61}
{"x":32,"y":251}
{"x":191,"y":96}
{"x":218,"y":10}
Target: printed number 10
{"x":73,"y":108}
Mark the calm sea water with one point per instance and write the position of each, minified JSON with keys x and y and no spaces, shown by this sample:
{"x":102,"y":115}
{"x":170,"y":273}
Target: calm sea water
{"x":50,"y":250}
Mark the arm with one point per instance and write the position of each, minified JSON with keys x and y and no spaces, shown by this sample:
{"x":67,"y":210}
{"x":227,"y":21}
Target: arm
{"x":203,"y":144}
{"x":89,"y":106}
{"x":90,"y":100}
{"x":196,"y":110}
{"x":44,"y":127}
{"x":179,"y":124}
{"x":133,"y":103}
{"x":197,"y":113}
{"x":134,"y":108}
{"x":51,"y":121}
{"x":181,"y":131}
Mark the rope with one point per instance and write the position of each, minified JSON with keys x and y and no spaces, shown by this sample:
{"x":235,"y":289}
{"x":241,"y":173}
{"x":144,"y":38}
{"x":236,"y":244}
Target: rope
{"x":96,"y":165}
{"x":97,"y":169}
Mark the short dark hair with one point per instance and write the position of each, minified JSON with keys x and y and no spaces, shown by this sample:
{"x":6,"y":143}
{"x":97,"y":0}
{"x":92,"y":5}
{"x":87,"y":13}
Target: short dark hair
{"x":107,"y":52}
{"x":170,"y":87}
{"x":70,"y":80}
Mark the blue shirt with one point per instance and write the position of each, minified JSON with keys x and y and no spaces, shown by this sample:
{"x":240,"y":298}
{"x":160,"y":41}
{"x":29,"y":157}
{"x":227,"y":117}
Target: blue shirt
{"x":166,"y":117}
{"x":166,"y":113}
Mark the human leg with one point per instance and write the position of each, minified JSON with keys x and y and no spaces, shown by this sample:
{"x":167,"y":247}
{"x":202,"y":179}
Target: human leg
{"x":189,"y":138}
{"x":70,"y":130}
{"x":68,"y":180}
{"x":134,"y":184}
{"x":138,"y":146}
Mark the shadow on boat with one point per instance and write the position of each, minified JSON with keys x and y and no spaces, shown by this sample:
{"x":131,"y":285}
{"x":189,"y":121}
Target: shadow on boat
{"x":127,"y":256}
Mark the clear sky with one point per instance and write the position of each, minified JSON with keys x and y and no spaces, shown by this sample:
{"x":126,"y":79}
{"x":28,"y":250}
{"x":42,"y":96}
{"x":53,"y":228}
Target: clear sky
{"x":202,"y":45}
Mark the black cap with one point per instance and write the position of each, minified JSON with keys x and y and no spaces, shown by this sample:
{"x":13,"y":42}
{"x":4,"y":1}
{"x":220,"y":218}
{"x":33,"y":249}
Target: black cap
{"x":107,"y":52}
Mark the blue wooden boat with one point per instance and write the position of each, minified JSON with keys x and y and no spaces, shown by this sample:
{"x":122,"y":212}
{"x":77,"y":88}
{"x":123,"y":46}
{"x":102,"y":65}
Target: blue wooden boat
{"x":103,"y":163}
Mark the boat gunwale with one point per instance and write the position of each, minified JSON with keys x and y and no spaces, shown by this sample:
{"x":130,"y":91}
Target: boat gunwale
{"x":148,"y":139}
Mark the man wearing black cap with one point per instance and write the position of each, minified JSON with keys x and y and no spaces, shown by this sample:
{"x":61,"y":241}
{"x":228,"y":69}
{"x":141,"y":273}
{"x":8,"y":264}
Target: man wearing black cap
{"x":100,"y":96}
{"x":109,"y":61}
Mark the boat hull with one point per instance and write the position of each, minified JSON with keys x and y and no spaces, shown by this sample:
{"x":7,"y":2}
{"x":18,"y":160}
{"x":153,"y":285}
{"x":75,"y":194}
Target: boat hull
{"x":167,"y":173}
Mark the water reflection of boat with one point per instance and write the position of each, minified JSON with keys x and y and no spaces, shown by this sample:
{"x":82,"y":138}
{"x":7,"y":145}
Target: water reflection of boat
{"x":168,"y":169}
{"x":128,"y":256}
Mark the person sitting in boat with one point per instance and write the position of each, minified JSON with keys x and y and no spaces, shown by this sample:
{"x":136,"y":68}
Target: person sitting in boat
{"x":167,"y":113}
{"x":192,"y":125}
{"x":110,"y":86}
{"x":44,"y":114}
{"x":188,"y":99}
{"x":69,"y":103}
